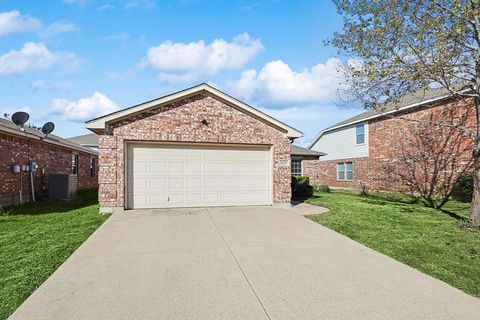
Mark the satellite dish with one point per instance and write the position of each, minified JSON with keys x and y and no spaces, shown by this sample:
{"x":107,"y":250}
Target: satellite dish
{"x":48,"y":128}
{"x":20,"y":118}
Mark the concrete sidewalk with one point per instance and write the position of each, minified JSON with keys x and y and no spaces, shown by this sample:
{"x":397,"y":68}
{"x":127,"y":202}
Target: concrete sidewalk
{"x":236,"y":263}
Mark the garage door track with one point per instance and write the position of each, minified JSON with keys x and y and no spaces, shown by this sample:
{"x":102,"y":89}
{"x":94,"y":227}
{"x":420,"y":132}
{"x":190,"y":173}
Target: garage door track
{"x":236,"y":263}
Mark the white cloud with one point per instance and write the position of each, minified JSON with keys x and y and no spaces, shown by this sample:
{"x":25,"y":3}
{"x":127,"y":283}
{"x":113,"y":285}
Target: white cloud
{"x":277,"y":83}
{"x":120,"y":37}
{"x":79,"y":2}
{"x":14,"y":21}
{"x":83,"y":109}
{"x":34,"y":56}
{"x":56,"y":28}
{"x":37,"y":85}
{"x":146,"y":4}
{"x":61,"y":87}
{"x":105,"y":7}
{"x":184,"y":62}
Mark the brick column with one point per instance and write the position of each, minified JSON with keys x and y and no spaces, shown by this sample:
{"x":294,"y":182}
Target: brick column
{"x":107,"y":174}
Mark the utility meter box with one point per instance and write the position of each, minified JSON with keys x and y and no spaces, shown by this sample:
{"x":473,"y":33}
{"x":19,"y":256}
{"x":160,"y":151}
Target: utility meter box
{"x":33,"y":166}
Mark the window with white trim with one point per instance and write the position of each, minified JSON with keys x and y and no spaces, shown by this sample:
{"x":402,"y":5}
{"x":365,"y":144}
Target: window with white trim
{"x":360,"y":133}
{"x":345,"y":171}
{"x":296,"y":167}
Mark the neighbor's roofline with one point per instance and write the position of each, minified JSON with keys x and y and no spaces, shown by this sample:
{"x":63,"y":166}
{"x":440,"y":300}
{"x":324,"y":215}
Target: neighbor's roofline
{"x":28,"y":135}
{"x":98,"y":124}
{"x":413,"y":105}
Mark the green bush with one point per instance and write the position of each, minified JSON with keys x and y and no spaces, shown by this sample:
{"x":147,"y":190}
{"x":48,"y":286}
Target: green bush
{"x":301,"y":188}
{"x":321,"y":188}
{"x":463,"y":189}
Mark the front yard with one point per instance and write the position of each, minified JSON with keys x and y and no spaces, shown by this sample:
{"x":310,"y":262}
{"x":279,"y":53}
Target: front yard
{"x":423,"y":238}
{"x":35,"y":239}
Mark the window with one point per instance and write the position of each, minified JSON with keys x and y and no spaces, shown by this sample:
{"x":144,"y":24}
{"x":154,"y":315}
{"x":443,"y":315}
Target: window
{"x":296,"y":167}
{"x":75,"y":163}
{"x":360,"y":133}
{"x":92,"y":167}
{"x":344,"y":171}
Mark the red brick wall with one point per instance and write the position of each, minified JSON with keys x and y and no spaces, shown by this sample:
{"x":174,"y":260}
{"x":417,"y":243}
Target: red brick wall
{"x":50,"y":158}
{"x":181,"y":122}
{"x":387,"y":137}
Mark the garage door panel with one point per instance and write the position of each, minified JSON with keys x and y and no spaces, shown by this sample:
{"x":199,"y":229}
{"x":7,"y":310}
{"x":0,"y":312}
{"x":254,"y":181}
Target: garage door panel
{"x":141,"y":184}
{"x":141,"y":167}
{"x":244,"y":168}
{"x":176,"y":167}
{"x":227,"y":167}
{"x":158,"y":167}
{"x":174,"y":176}
{"x":259,"y":183}
{"x":193,"y":167}
{"x":157,"y":201}
{"x":210,"y":168}
{"x":211,"y":198}
{"x":260,"y":168}
{"x":176,"y":184}
{"x":157,"y":183}
{"x":193,"y":199}
{"x":228,"y":183}
{"x":193,"y":184}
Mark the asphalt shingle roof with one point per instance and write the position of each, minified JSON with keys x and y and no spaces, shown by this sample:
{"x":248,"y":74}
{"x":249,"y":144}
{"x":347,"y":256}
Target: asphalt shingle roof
{"x":90,"y":139}
{"x":299,"y":151}
{"x":10,"y":128}
{"x":418,"y":97}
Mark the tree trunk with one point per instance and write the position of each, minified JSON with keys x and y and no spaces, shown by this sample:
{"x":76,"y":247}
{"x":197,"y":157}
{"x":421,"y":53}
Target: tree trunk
{"x":474,"y":217}
{"x":475,"y":205}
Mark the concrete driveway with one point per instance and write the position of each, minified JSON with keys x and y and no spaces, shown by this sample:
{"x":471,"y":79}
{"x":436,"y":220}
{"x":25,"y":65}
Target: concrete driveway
{"x":236,"y":263}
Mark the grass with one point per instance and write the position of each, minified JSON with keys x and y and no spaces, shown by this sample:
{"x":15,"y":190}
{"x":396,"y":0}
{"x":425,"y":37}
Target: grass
{"x":423,"y":238}
{"x":36,"y":238}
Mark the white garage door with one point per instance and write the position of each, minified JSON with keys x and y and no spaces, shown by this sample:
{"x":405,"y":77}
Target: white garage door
{"x":163,"y":176}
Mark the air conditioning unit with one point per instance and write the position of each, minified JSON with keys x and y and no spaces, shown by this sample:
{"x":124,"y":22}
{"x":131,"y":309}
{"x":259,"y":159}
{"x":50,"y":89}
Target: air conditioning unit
{"x":62,"y":186}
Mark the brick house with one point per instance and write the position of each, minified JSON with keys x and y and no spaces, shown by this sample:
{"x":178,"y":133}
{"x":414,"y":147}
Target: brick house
{"x":52,"y":155}
{"x":196,"y":147}
{"x":372,"y":148}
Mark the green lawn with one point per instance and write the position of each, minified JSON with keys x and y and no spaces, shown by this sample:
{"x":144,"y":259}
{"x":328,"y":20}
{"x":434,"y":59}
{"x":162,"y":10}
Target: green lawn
{"x":35,"y":239}
{"x":423,"y":238}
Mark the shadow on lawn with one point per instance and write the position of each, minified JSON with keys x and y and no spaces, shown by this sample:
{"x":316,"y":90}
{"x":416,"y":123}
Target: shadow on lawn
{"x":85,"y":198}
{"x":402,"y":202}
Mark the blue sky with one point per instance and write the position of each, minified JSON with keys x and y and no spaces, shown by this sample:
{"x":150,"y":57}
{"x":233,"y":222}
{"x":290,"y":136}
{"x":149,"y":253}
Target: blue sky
{"x":71,"y":60}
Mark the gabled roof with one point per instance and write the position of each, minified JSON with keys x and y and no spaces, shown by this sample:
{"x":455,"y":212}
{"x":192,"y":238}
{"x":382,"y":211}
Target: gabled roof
{"x":90,"y":139}
{"x":299,"y":151}
{"x":35,"y":134}
{"x":417,"y":99}
{"x":98,"y":125}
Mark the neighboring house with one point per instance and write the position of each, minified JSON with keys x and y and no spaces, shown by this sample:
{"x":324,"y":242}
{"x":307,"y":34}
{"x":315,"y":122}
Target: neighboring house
{"x":89,"y":140}
{"x":363,"y":150}
{"x":52,"y":154}
{"x":299,"y":155}
{"x":196,"y":147}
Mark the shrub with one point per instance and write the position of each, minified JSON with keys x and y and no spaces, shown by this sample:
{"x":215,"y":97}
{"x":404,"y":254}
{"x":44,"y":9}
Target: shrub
{"x":463,"y":189}
{"x":321,"y":188}
{"x":301,"y":188}
{"x":363,"y":190}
